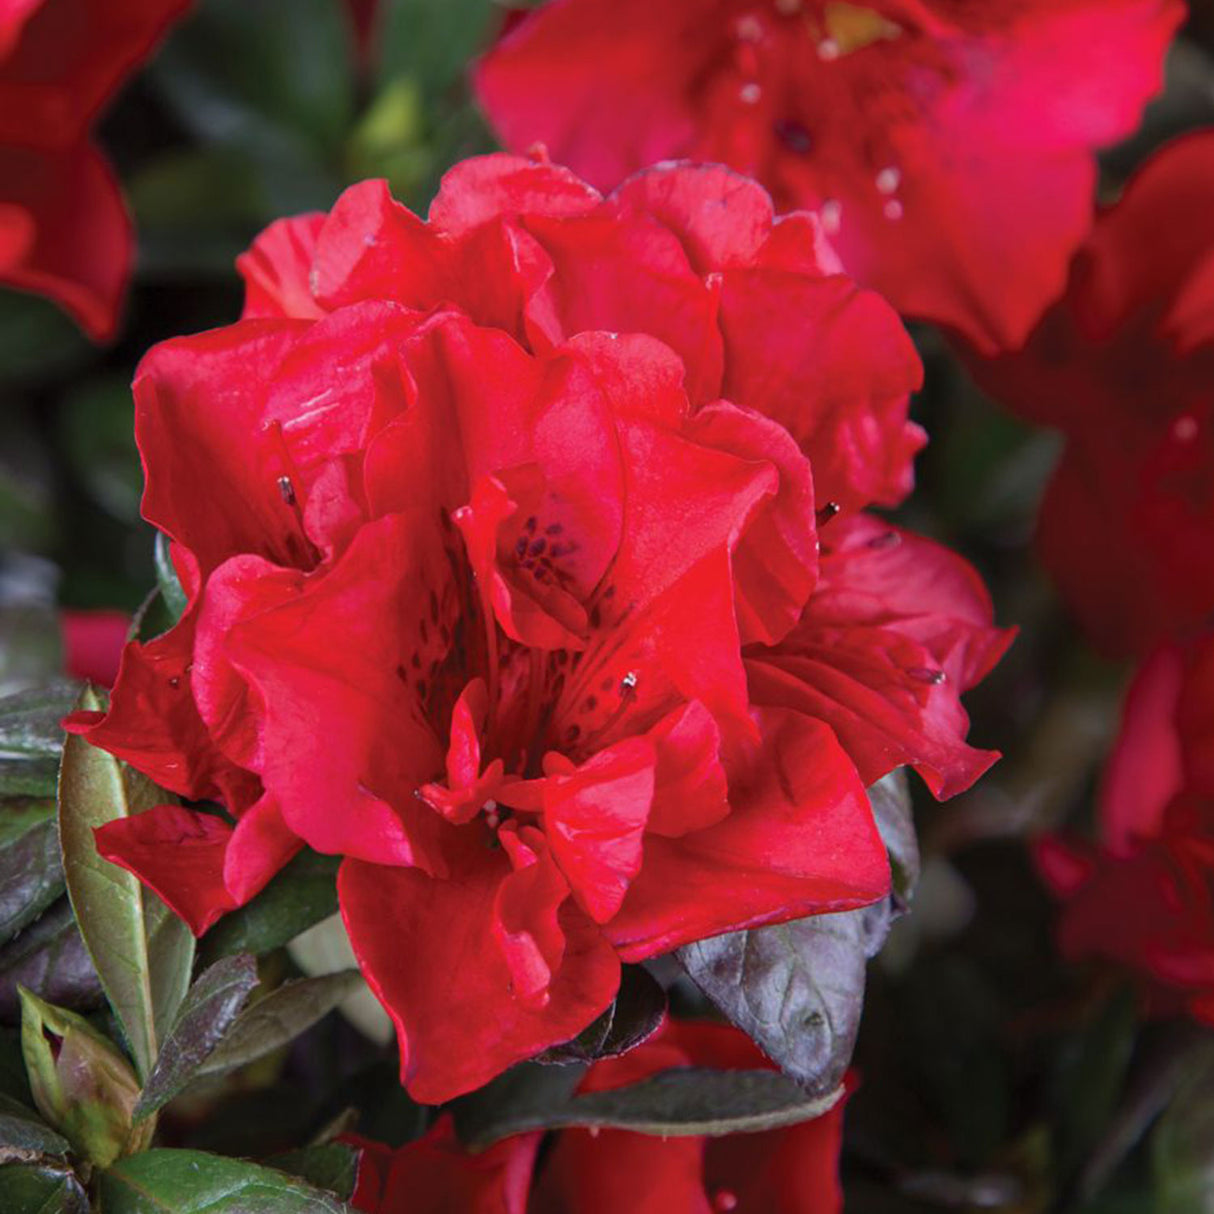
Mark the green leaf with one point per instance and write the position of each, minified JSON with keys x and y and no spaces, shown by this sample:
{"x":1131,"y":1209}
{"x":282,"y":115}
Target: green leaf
{"x":166,"y":578}
{"x":37,"y":341}
{"x":213,"y":1003}
{"x":29,"y":720}
{"x":634,"y":1014}
{"x":433,"y":43}
{"x":1182,"y":1147}
{"x":35,"y":1188}
{"x":96,"y":427}
{"x":193,"y":1182}
{"x":143,"y":953}
{"x":891,"y":804}
{"x":797,"y":989}
{"x":81,"y":1083}
{"x":332,"y":1167}
{"x":21,"y":1129}
{"x":303,"y":894}
{"x":31,"y":875}
{"x":279,"y":1018}
{"x":681,"y":1101}
{"x":49,"y":958}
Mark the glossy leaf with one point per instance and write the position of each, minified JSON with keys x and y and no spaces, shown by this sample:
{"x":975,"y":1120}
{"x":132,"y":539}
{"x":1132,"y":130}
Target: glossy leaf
{"x":303,"y":894}
{"x":49,"y":958}
{"x":37,"y":1188}
{"x":31,"y":875}
{"x":635,"y":1013}
{"x":22,"y":1130}
{"x":681,"y":1101}
{"x":212,"y":1004}
{"x":797,"y":989}
{"x":890,"y":799}
{"x":332,"y":1167}
{"x":193,"y":1182}
{"x":169,"y":584}
{"x":29,"y":720}
{"x":143,"y":953}
{"x":279,"y":1018}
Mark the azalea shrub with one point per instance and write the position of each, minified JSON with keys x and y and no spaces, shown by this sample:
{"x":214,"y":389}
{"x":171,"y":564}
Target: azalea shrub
{"x":606,"y":607}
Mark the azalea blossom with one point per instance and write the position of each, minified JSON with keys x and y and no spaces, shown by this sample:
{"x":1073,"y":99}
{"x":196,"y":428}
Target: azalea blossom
{"x":947,"y":147}
{"x":502,"y":558}
{"x":1123,"y":366}
{"x":1143,"y":897}
{"x":794,"y":1170}
{"x":64,"y":229}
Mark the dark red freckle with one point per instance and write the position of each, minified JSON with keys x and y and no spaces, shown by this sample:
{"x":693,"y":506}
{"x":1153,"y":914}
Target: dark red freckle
{"x":793,"y":135}
{"x":924,"y":674}
{"x":402,"y":673}
{"x":543,"y":576}
{"x":573,"y":733}
{"x":444,"y":520}
{"x":609,"y":593}
{"x":590,"y":703}
{"x":890,"y":539}
{"x":425,"y":631}
{"x":538,"y":547}
{"x":605,"y":685}
{"x":530,"y":525}
{"x":553,"y":529}
{"x":445,"y":633}
{"x":528,"y":564}
{"x":558,"y":684}
{"x":174,"y":682}
{"x":559,"y":550}
{"x":434,"y":606}
{"x":562,"y":657}
{"x":421,"y":689}
{"x":520,"y":549}
{"x":596,"y":616}
{"x":415,"y":661}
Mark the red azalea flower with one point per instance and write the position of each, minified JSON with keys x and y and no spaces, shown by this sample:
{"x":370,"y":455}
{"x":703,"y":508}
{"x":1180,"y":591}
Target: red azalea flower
{"x":1145,"y":897}
{"x":475,"y":590}
{"x":1124,"y":365}
{"x":788,"y":1171}
{"x":947,"y":146}
{"x":64,"y":230}
{"x":92,"y":643}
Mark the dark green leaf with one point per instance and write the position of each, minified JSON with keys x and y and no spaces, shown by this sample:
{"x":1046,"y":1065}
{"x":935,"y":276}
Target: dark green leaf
{"x":432,"y":43}
{"x":303,"y":894}
{"x":29,"y":720}
{"x":681,"y":1101}
{"x":1182,"y":1147}
{"x":167,"y":579}
{"x":634,"y":1014}
{"x":96,"y":420}
{"x":213,"y":1003}
{"x":49,"y":958}
{"x":796,"y":988}
{"x":143,"y":953}
{"x":192,"y":1182}
{"x":891,"y":802}
{"x":332,"y":1167}
{"x":31,"y":876}
{"x":21,"y":1129}
{"x":279,"y":1018}
{"x":35,"y":1188}
{"x":27,"y":777}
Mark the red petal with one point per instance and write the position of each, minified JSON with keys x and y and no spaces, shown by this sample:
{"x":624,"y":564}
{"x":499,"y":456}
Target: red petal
{"x":277,"y":270}
{"x":92,"y":644}
{"x":800,"y":841}
{"x":431,"y":952}
{"x":64,"y":232}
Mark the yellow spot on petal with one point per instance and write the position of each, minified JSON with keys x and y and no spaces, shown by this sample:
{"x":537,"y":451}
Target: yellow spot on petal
{"x":851,"y":27}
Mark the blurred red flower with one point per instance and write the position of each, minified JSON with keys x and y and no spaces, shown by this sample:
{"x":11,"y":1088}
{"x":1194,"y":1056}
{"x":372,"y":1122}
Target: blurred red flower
{"x":478,"y":565}
{"x":1124,"y":366}
{"x":947,"y":146}
{"x":1144,"y":898}
{"x":64,"y":230}
{"x":92,"y":643}
{"x":788,"y":1171}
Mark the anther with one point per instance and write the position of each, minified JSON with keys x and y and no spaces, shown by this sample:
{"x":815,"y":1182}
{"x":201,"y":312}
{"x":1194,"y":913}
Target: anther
{"x":287,"y":490}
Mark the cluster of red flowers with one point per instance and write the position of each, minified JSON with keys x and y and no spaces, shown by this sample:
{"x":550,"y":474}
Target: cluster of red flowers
{"x":530,"y":513}
{"x":525,"y":547}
